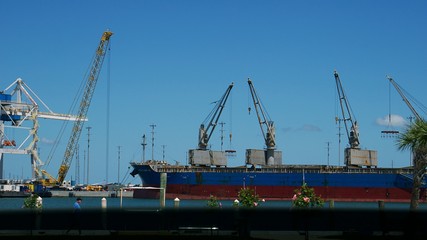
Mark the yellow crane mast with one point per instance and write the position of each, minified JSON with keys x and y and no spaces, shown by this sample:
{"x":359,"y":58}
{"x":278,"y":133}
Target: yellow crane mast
{"x":83,"y":109}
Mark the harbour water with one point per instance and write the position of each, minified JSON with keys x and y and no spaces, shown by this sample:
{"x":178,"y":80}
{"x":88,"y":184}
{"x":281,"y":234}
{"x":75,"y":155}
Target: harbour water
{"x":7,"y":204}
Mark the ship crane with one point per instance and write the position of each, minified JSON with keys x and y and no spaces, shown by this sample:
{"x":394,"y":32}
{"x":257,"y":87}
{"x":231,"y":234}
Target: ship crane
{"x":206,"y":130}
{"x":353,"y":133}
{"x":84,"y":106}
{"x":399,"y":90}
{"x":271,"y":157}
{"x":202,"y":155}
{"x":354,"y":156}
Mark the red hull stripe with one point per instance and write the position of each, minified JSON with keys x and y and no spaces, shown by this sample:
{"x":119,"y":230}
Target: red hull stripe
{"x":283,"y":193}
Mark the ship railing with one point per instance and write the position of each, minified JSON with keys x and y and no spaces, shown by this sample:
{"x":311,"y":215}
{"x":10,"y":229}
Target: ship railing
{"x":284,"y":169}
{"x":379,"y":171}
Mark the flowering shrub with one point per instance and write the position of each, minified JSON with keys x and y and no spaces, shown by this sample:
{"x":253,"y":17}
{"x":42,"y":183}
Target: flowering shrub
{"x":305,"y":197}
{"x":247,"y":198}
{"x":213,"y":202}
{"x":31,"y":202}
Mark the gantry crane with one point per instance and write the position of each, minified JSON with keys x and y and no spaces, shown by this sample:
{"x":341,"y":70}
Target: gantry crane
{"x":17,"y":107}
{"x":354,"y":156}
{"x":19,"y":104}
{"x":399,"y":90}
{"x":271,"y":157}
{"x":83,"y":108}
{"x":203,"y":155}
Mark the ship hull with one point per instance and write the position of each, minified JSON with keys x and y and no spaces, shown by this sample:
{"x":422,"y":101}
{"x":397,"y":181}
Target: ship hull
{"x":277,"y":184}
{"x":14,"y":194}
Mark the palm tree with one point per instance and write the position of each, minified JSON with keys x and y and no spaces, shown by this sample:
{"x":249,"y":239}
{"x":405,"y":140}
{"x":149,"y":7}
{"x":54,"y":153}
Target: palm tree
{"x":415,"y":139}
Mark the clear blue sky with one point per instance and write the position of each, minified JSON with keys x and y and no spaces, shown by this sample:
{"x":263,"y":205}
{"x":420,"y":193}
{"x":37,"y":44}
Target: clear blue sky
{"x":170,"y":60}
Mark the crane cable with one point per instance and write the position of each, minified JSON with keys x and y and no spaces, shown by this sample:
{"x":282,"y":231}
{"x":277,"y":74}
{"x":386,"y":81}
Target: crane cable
{"x":107,"y":139}
{"x":413,"y":100}
{"x":389,"y":105}
{"x":249,"y":101}
{"x":231,"y":119}
{"x":70,"y":110}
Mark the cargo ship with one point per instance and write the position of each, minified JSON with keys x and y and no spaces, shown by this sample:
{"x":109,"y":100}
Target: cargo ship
{"x":277,"y":182}
{"x":360,"y":179}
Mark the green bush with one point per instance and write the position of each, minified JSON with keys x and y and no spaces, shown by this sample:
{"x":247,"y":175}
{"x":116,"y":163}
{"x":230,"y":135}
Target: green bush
{"x":31,"y":202}
{"x":247,"y":198}
{"x":305,"y":197}
{"x":213,"y":202}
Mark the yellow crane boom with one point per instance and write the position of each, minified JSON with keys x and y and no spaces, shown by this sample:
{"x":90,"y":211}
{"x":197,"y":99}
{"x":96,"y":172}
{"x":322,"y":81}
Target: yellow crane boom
{"x":84,"y":105}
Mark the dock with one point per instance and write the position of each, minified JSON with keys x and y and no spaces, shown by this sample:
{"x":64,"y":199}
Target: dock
{"x":106,"y":194}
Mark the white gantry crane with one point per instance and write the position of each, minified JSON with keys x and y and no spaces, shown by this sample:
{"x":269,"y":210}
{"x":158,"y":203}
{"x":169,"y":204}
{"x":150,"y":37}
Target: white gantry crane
{"x":19,"y":104}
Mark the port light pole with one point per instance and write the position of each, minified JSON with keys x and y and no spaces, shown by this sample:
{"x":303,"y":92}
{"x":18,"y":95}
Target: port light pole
{"x":338,"y":120}
{"x":118,"y":166}
{"x":144,"y":144}
{"x":152,"y":141}
{"x":88,"y":146}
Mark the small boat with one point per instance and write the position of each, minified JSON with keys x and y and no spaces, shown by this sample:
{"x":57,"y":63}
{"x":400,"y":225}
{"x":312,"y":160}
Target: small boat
{"x":14,"y":189}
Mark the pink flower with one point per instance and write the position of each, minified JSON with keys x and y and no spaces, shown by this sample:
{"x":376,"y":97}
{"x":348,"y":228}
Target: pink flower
{"x":255,"y":204}
{"x":294,"y":197}
{"x":306,"y":199}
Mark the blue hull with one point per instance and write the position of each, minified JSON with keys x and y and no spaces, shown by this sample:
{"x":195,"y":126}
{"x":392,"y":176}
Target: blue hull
{"x":279,"y":183}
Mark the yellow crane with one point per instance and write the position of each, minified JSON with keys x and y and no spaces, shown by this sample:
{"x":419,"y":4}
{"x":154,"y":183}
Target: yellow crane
{"x":83,"y":109}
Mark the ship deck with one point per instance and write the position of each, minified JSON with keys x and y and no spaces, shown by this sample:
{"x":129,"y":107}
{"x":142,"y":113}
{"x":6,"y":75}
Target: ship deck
{"x":275,"y":169}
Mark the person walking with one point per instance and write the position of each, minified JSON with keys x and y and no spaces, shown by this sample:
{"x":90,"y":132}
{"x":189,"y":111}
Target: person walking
{"x":75,"y":221}
{"x":76,"y":205}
